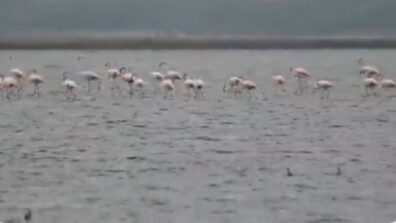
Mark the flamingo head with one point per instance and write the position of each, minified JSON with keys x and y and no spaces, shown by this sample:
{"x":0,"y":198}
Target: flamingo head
{"x":123,"y":70}
{"x":372,"y":74}
{"x":177,"y":77}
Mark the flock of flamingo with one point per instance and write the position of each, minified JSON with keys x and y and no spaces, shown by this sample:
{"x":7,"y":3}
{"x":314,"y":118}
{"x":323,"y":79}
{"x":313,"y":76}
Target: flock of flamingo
{"x":164,"y":82}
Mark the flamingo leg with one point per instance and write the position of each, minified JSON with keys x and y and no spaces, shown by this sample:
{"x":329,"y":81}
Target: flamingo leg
{"x":8,"y":93}
{"x":89,"y":85}
{"x":19,"y":91}
{"x":99,"y":82}
{"x":130,"y":89}
{"x":36,"y":90}
{"x":74,"y":95}
{"x":374,"y":92}
{"x":366,"y":91}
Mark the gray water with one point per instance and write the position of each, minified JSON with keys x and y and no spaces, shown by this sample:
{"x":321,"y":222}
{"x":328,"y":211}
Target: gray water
{"x":220,"y":159}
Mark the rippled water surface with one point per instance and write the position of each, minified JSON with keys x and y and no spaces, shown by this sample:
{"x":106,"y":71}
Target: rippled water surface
{"x":221,"y":159}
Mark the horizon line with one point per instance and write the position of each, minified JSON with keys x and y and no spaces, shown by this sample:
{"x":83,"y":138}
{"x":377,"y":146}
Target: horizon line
{"x":111,"y":40}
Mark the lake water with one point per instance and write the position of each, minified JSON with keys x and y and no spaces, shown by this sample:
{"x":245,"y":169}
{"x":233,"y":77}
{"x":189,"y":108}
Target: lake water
{"x":220,"y":159}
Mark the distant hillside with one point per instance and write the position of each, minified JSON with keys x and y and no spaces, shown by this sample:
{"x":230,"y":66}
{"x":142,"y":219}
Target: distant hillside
{"x":267,"y":17}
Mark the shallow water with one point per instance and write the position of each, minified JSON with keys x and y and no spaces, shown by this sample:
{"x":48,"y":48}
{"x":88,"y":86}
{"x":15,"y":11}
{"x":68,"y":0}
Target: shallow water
{"x":221,"y":159}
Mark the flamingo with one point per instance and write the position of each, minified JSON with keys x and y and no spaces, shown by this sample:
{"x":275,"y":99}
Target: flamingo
{"x":302,"y":76}
{"x":19,"y":76}
{"x":199,"y":85}
{"x":279,"y":80}
{"x":173,"y":75}
{"x":248,"y":86}
{"x":370,"y":84}
{"x":369,"y":71}
{"x":189,"y":84}
{"x":140,"y":84}
{"x":36,"y":80}
{"x":170,"y":74}
{"x":232,"y":85}
{"x":10,"y":84}
{"x":90,"y":76}
{"x":128,"y":78}
{"x":157,"y":78}
{"x":113,"y":74}
{"x":169,"y":87}
{"x":324,"y":86}
{"x":387,"y":83}
{"x":70,"y":87}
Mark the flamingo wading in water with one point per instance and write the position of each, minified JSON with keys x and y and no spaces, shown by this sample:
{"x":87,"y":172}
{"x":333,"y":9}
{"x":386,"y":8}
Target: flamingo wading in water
{"x":302,"y":76}
{"x":113,"y":74}
{"x":370,"y":84}
{"x":70,"y":87}
{"x":19,"y":76}
{"x":36,"y":80}
{"x":324,"y":86}
{"x":232,"y":85}
{"x":10,"y":84}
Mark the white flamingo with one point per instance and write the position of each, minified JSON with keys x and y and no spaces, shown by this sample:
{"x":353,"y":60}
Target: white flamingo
{"x":170,"y":74}
{"x":324,"y":86}
{"x":302,"y":76}
{"x":189,"y":85}
{"x":70,"y":87}
{"x":10,"y":85}
{"x":279,"y":80}
{"x":90,"y":77}
{"x":129,"y":78}
{"x":370,"y":84}
{"x":173,"y":75}
{"x":140,"y":85}
{"x":247,"y":86}
{"x":157,"y":78}
{"x":113,"y":74}
{"x":368,"y":70}
{"x":19,"y":76}
{"x":168,"y":87}
{"x":36,"y":80}
{"x":387,"y":83}
{"x":232,"y":85}
{"x":199,"y":86}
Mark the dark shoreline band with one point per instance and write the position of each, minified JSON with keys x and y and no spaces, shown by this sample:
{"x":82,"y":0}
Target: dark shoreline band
{"x":109,"y":41}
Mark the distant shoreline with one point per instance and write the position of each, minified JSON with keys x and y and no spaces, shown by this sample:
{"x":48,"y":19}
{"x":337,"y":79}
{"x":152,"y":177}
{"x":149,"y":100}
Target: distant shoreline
{"x":108,"y":41}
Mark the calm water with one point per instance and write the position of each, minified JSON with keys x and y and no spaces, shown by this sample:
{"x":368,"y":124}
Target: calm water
{"x":107,"y":159}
